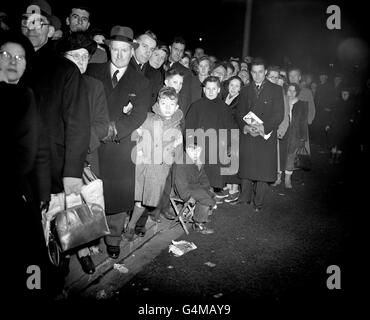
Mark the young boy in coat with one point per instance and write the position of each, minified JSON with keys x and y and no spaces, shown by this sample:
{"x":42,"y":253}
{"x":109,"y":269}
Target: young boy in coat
{"x":159,"y":144}
{"x":191,"y":182}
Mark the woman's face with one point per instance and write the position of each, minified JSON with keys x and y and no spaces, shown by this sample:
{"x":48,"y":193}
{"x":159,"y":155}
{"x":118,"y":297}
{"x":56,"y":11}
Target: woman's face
{"x":203,"y":68}
{"x":234,"y":87}
{"x":12,"y":61}
{"x":291,"y":93}
{"x":80,"y":57}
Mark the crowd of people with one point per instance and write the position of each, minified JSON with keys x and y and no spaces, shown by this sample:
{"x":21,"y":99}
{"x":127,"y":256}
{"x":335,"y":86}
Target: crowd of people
{"x":135,"y":109}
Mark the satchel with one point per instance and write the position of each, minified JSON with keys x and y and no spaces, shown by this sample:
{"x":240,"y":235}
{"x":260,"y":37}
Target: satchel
{"x":302,"y":159}
{"x":80,"y":224}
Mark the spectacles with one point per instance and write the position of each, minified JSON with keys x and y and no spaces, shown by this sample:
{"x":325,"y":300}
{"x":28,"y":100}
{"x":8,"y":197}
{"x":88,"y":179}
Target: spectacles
{"x":33,"y":23}
{"x":78,"y":57}
{"x":5,"y":55}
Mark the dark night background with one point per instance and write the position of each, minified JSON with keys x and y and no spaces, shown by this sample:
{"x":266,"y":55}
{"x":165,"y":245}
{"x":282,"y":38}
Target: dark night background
{"x":293,"y":28}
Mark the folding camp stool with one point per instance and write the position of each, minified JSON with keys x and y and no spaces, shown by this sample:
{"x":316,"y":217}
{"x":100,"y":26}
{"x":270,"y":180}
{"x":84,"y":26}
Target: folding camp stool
{"x":185,"y":214}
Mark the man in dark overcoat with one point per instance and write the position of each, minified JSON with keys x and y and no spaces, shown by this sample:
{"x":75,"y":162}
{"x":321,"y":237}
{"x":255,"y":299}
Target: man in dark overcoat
{"x":258,"y":156}
{"x":128,"y":97}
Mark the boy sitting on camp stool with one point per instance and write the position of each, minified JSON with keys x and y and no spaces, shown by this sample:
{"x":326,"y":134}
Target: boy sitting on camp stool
{"x":191,"y":183}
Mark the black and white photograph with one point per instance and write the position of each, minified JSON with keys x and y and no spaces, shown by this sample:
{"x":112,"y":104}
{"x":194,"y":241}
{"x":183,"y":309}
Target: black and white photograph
{"x":184,"y":159}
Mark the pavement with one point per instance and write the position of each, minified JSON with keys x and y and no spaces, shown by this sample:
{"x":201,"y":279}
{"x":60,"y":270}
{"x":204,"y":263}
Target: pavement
{"x":276,"y":259}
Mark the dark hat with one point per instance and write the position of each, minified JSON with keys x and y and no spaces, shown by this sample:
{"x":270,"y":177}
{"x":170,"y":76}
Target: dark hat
{"x":75,"y":41}
{"x":45,"y":8}
{"x":124,"y":34}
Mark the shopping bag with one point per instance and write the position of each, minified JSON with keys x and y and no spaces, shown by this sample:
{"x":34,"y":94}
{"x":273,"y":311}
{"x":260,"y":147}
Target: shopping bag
{"x":302,"y":159}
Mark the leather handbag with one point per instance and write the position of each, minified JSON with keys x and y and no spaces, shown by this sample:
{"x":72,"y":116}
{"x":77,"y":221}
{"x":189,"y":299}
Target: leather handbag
{"x":302,"y":159}
{"x":80,"y":224}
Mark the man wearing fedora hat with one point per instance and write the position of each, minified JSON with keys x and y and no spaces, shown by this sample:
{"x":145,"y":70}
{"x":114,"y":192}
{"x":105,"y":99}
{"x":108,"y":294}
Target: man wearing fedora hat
{"x":128,"y":96}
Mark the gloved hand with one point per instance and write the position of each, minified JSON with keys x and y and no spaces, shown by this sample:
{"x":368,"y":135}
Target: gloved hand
{"x":72,"y":185}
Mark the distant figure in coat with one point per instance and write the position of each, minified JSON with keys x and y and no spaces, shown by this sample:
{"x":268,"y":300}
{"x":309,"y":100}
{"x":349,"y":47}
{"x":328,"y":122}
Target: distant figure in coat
{"x":297,"y":131}
{"x":128,"y":96}
{"x":258,"y":156}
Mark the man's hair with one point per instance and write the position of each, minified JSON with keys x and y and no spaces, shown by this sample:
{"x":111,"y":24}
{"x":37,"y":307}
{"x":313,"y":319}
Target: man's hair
{"x":202,"y":58}
{"x":81,"y":7}
{"x":173,"y":72}
{"x":259,"y":62}
{"x":229,"y":65}
{"x":179,"y":40}
{"x":168,"y":92}
{"x":273,"y":68}
{"x":150,"y":34}
{"x":296,"y":87}
{"x":237,"y":78}
{"x":295,"y":69}
{"x":219,"y":64}
{"x":212,"y":79}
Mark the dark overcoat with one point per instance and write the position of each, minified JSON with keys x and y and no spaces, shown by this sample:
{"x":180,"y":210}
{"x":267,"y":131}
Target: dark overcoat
{"x":298,"y":127}
{"x":211,"y":114}
{"x":64,"y":108}
{"x":257,"y":156}
{"x":117,"y":169}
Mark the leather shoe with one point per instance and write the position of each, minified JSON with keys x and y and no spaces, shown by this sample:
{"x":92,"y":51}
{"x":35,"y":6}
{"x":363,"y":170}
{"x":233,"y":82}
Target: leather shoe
{"x":140,"y":232}
{"x":239,"y":203}
{"x":113,"y":251}
{"x":87,"y":264}
{"x":169,"y":215}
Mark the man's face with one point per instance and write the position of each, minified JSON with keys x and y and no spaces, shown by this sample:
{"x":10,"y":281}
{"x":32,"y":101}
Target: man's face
{"x":244,"y":75}
{"x":175,"y":82}
{"x":78,"y":20}
{"x":294,"y":76}
{"x":167,"y":106}
{"x":323,"y":78}
{"x":145,"y":49}
{"x":203,"y":68}
{"x":37,"y":29}
{"x":345,"y":95}
{"x":219,"y":72}
{"x":177,"y":51}
{"x":211,"y":90}
{"x":199,"y":52}
{"x":244,"y":66}
{"x":99,"y":38}
{"x":157,"y":58}
{"x":12,"y":61}
{"x":79,"y":57}
{"x":229,"y":73}
{"x":273,"y":76}
{"x":121,"y":53}
{"x":258,"y":73}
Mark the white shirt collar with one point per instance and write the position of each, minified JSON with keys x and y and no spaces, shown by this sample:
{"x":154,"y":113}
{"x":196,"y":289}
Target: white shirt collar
{"x":121,"y":71}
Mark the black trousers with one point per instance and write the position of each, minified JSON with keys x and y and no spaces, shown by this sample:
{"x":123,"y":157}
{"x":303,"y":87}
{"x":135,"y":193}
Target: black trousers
{"x":254,"y":192}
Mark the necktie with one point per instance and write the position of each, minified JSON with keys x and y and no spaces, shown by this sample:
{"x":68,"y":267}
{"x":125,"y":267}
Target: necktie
{"x":115,"y":79}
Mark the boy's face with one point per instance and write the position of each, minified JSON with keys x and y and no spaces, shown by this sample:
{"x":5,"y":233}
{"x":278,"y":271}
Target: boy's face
{"x":167,"y":106}
{"x":194,"y":153}
{"x":211,"y":90}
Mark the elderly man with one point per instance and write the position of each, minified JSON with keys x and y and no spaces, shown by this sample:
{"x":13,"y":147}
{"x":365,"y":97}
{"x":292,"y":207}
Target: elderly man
{"x":78,"y":19}
{"x":258,"y":143}
{"x":128,"y":96}
{"x":62,"y":100}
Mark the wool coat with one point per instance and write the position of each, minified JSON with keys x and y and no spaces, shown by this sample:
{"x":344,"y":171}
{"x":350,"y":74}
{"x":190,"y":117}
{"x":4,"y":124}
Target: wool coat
{"x":298,"y":128}
{"x":159,"y":145}
{"x":214,"y":114}
{"x":257,"y":156}
{"x":116,"y":160}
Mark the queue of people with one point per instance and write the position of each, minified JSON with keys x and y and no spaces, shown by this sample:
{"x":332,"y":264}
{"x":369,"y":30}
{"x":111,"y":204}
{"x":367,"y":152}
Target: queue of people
{"x":139,"y":111}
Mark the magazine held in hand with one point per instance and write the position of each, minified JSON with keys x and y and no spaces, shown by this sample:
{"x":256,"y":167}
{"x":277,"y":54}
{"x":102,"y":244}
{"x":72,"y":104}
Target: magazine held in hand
{"x":251,"y":119}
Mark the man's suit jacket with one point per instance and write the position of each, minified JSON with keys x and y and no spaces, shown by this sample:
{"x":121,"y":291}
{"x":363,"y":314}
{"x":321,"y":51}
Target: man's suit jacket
{"x":117,"y":167}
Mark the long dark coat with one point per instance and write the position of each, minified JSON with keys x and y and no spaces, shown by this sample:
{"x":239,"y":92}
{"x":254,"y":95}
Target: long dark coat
{"x":257,"y":156}
{"x":298,"y":127}
{"x":211,"y":114}
{"x":117,"y":169}
{"x":64,"y":108}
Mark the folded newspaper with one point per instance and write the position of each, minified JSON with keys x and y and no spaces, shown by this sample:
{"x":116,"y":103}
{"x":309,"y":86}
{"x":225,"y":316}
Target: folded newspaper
{"x":251,"y":119}
{"x":178,"y":248}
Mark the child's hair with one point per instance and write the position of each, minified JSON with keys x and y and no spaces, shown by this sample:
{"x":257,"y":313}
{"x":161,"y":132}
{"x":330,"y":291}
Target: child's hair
{"x":173,"y":72}
{"x":168,"y":92}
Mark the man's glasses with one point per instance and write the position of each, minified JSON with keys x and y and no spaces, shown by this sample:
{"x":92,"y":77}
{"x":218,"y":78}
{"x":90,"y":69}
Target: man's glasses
{"x":5,"y":55}
{"x":33,"y":23}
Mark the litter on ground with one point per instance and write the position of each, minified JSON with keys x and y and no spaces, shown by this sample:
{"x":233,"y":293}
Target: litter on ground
{"x":178,"y":248}
{"x":120,"y":268}
{"x":210,"y":264}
